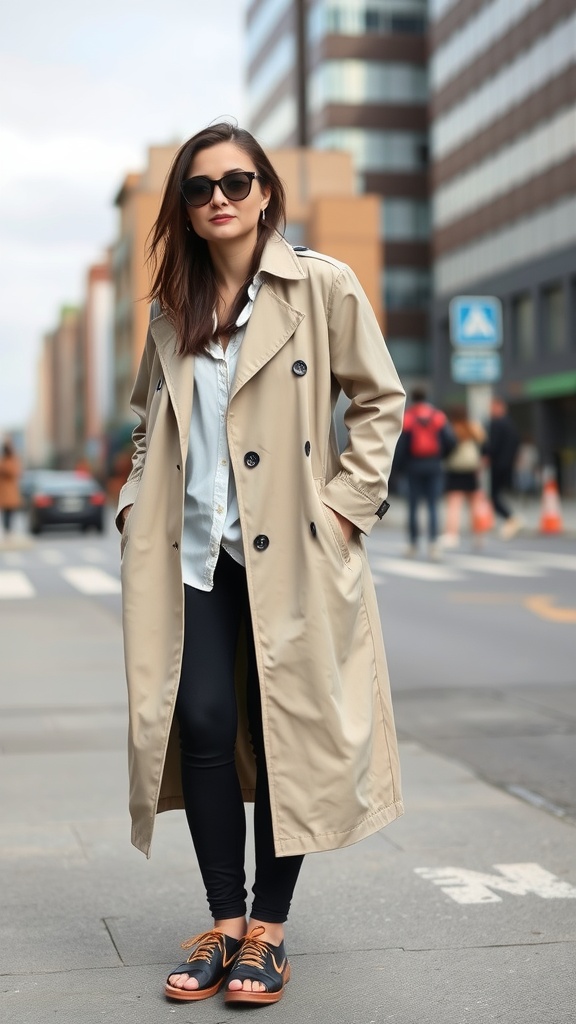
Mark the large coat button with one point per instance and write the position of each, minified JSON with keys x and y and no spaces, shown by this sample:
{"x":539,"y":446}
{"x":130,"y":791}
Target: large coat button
{"x":261,"y":542}
{"x":307,"y":448}
{"x":313,"y":530}
{"x":299,"y":368}
{"x":251,"y":459}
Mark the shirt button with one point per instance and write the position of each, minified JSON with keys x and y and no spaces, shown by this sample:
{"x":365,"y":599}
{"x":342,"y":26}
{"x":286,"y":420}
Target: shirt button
{"x":251,"y":459}
{"x":261,"y":542}
{"x":299,"y":368}
{"x":219,"y":510}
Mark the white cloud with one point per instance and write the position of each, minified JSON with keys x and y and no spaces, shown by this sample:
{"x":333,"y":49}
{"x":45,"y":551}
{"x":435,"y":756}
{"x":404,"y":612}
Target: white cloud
{"x":84,"y":94}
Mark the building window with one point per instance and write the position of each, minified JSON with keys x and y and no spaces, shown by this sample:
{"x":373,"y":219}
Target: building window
{"x":276,"y":67}
{"x":410,"y":355}
{"x":406,"y":288}
{"x":378,"y":150}
{"x":367,"y":81}
{"x":405,"y":220}
{"x":553,"y":320}
{"x":375,"y":17}
{"x":523,"y":333}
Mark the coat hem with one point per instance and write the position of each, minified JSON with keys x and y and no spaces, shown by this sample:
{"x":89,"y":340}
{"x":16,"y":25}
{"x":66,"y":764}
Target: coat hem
{"x":303,"y":844}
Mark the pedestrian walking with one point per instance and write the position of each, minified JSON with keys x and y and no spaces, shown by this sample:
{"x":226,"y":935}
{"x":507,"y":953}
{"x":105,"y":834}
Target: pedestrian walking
{"x":462,"y":473}
{"x":10,"y":472}
{"x":501,"y":447}
{"x":426,"y":439}
{"x":254,"y":654}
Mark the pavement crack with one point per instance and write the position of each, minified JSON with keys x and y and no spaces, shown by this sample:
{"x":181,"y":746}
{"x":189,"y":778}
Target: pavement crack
{"x":113,"y":940}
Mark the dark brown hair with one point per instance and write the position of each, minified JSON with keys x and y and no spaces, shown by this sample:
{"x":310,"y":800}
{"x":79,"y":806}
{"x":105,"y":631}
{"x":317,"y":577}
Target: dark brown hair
{"x":183,"y":278}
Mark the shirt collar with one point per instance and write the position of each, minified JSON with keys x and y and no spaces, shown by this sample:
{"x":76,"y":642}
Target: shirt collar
{"x":246,"y":311}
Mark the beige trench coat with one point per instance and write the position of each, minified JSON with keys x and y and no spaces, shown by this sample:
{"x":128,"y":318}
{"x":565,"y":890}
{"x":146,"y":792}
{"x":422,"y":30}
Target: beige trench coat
{"x":328,"y":727}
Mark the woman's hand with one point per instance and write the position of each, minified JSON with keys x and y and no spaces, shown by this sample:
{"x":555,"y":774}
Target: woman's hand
{"x":345,"y":525}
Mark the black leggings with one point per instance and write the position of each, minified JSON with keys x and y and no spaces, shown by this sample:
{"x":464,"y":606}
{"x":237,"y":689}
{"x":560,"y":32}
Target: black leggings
{"x":207,"y":715}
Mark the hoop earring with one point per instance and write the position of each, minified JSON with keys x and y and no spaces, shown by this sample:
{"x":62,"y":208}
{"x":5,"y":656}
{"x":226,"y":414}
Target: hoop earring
{"x":263,"y":215}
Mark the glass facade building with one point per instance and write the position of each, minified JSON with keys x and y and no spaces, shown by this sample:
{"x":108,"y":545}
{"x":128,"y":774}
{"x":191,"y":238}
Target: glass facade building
{"x":503,"y":173}
{"x":353,"y":75}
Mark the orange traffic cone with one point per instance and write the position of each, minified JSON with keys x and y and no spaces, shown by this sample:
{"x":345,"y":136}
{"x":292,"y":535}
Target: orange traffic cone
{"x":482,"y":513}
{"x":551,"y":516}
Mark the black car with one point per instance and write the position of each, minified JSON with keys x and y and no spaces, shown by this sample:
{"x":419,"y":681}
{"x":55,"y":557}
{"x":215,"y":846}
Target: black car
{"x":60,"y":498}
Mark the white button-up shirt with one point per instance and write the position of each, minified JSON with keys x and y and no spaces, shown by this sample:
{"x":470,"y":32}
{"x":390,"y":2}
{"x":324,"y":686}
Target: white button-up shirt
{"x":211,"y":517}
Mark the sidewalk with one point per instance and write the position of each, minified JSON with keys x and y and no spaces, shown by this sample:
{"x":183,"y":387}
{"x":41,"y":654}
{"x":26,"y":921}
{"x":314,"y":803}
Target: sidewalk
{"x":462,"y":912}
{"x":90,"y":929}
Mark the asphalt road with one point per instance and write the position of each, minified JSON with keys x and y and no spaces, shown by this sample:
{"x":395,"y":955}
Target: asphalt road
{"x":482,"y":651}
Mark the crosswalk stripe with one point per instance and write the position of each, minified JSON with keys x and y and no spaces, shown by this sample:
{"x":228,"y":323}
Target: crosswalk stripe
{"x":15,"y":585}
{"x":495,"y":566}
{"x":90,"y":580}
{"x":429,"y":571}
{"x":550,"y":559}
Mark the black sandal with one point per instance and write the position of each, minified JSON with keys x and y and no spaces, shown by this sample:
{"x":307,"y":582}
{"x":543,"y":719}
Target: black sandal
{"x":259,"y":961}
{"x":209,"y":962}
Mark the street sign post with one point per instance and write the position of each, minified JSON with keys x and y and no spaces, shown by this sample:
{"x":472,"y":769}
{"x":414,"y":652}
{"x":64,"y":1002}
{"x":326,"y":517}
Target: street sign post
{"x":476,"y":333}
{"x":476,"y":367}
{"x":476,"y":321}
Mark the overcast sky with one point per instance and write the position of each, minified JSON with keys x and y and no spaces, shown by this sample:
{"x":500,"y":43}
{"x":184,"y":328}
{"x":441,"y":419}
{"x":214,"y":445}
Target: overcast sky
{"x":84,"y":90}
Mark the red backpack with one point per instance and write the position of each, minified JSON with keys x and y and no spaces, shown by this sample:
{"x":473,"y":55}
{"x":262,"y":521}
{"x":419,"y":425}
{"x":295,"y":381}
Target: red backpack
{"x":425,"y":424}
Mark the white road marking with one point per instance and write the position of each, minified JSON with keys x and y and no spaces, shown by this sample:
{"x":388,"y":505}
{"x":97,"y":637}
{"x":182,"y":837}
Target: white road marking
{"x":89,"y":580}
{"x":51,"y":556}
{"x":464,"y":886}
{"x":429,"y":571}
{"x":494,"y":566}
{"x":15,"y":585}
{"x":550,"y":559}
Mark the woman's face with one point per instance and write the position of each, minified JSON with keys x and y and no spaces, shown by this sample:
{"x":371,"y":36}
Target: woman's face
{"x":223,"y":220}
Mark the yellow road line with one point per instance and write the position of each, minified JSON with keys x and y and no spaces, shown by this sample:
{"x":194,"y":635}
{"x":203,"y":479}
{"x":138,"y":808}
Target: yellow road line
{"x":543,"y":606}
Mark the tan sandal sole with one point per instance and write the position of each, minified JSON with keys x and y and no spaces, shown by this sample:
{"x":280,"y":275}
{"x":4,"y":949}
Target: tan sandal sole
{"x":241,"y":996}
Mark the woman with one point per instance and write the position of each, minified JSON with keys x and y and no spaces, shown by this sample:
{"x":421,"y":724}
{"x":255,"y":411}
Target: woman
{"x":254,"y":657}
{"x":462,"y":480}
{"x":10,"y":498}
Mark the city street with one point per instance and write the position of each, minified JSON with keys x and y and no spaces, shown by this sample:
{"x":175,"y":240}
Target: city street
{"x":463,"y":912}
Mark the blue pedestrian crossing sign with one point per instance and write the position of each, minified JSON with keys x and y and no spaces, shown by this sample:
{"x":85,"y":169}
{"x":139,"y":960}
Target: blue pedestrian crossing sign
{"x":476,"y":321}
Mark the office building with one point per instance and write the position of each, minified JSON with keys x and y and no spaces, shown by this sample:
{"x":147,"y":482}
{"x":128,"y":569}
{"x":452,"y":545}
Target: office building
{"x":503,"y":154}
{"x":352,"y":76}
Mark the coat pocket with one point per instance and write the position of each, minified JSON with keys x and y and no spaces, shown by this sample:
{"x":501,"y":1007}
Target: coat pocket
{"x":336,"y":531}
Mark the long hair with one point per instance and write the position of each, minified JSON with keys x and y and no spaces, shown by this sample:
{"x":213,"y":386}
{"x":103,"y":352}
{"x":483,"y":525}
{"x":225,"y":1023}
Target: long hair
{"x":183,"y":279}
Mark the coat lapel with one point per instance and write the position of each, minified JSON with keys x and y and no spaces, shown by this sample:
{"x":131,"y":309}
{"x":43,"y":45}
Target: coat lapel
{"x":273,"y":320}
{"x":271,"y":324}
{"x":178,"y":374}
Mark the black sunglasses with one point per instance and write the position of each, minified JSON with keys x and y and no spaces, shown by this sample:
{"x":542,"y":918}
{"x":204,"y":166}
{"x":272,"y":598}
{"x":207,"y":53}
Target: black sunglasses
{"x":236,"y":185}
